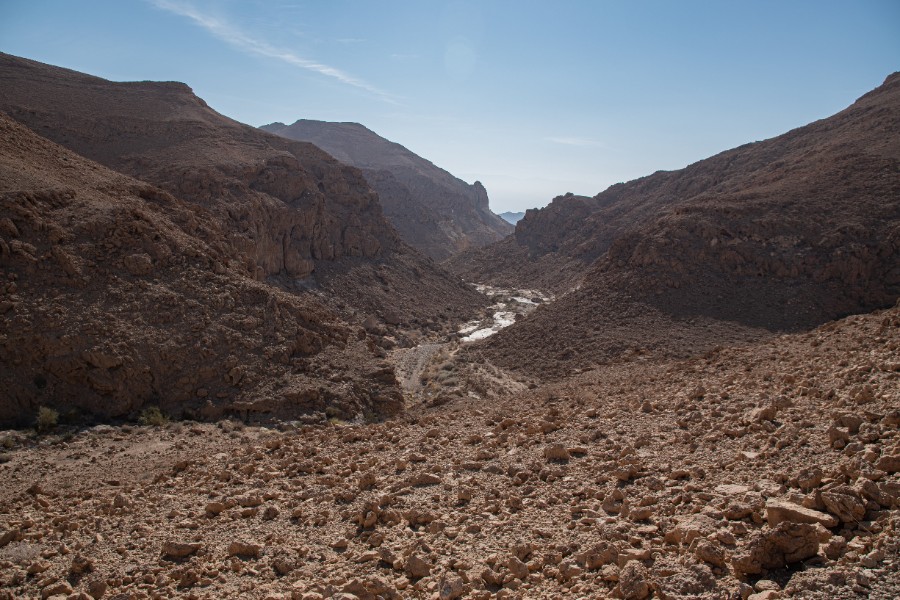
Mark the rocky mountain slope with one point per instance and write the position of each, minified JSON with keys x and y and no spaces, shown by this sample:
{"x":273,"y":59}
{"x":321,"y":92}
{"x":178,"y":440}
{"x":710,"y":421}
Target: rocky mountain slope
{"x":111,"y":301}
{"x":286,"y":211}
{"x":778,"y":235}
{"x":433,"y":211}
{"x":763,"y":472}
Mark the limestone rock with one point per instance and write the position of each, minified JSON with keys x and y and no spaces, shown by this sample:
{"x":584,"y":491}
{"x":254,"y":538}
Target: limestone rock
{"x":417,"y":567}
{"x":785,"y":544}
{"x":245,"y":549}
{"x":178,"y":550}
{"x":633,"y":583}
{"x":778,"y":511}
{"x":844,"y":503}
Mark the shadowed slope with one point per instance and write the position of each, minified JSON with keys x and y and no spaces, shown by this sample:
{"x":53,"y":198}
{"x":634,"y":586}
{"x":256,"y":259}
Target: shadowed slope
{"x":778,"y":235}
{"x":110,"y":302}
{"x":283,"y":207}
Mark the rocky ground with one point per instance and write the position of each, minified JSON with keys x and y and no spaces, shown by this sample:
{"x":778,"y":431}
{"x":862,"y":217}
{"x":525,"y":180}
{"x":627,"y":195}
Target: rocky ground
{"x":763,"y":471}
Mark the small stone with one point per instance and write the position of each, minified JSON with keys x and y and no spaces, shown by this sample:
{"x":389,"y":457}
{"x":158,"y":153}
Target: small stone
{"x":556,"y":452}
{"x":778,"y":511}
{"x":367,"y":481}
{"x":189,"y":578}
{"x":764,"y":585}
{"x":425,"y":479}
{"x":451,"y":587}
{"x":517,"y":568}
{"x":709,"y":552}
{"x":96,"y":588}
{"x":38,"y":567}
{"x":215,"y":508}
{"x":179,"y":550}
{"x":889,"y":464}
{"x":416,"y":567}
{"x":633,"y":581}
{"x":80,"y":565}
{"x":57,"y":588}
{"x":244,"y":549}
{"x":844,"y":503}
{"x":784,"y":544}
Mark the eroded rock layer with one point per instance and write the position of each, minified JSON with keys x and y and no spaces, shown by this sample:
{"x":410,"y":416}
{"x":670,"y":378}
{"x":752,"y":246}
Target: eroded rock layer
{"x":281,"y":207}
{"x":111,"y":300}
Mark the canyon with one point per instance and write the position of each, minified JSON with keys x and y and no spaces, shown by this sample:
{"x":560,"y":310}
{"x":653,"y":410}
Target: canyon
{"x":240,"y":365}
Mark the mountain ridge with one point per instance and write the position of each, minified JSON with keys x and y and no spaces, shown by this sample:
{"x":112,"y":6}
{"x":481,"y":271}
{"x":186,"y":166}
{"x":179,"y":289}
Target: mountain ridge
{"x":433,"y":210}
{"x":288,"y":211}
{"x":778,"y":235}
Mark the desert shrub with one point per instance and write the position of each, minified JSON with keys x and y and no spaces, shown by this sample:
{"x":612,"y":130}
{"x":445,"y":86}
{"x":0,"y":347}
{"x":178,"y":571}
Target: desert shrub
{"x":5,"y":457}
{"x":333,"y":412}
{"x":47,"y":419}
{"x":20,"y":553}
{"x":230,"y":425}
{"x":7,"y":442}
{"x":153,"y":416}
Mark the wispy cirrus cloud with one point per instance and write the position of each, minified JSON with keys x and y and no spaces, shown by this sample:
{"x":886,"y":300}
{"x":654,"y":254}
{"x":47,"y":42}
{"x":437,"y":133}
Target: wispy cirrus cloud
{"x":228,"y":33}
{"x":576,"y":141}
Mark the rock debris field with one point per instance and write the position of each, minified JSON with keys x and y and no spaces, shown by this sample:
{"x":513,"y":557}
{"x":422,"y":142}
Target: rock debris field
{"x":764,"y":471}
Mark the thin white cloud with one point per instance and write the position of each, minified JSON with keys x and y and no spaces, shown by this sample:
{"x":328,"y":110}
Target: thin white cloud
{"x":576,"y":141}
{"x":232,"y":35}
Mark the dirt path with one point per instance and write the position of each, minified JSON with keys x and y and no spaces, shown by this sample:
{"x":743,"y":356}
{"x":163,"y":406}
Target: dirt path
{"x":410,"y":362}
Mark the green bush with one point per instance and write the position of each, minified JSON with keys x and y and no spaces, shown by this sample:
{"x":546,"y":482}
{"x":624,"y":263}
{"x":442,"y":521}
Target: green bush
{"x":153,"y":416}
{"x":47,"y":419}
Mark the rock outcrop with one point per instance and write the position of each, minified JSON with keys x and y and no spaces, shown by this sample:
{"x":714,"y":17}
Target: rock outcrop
{"x":282,"y":208}
{"x":116,"y":296}
{"x":433,"y":211}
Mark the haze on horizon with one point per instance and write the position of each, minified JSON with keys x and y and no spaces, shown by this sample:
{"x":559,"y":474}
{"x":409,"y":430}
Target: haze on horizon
{"x":533,"y":99}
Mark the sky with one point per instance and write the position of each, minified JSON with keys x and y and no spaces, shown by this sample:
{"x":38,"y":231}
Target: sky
{"x":534,"y":99}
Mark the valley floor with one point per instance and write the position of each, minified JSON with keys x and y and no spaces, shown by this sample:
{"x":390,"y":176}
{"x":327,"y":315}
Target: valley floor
{"x":765,"y":471}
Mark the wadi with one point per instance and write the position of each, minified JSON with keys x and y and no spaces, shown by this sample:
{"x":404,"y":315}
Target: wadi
{"x":301,"y":361}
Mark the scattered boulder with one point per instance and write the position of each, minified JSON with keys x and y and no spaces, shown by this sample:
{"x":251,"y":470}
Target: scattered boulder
{"x":782,"y":545}
{"x":179,"y":550}
{"x":244,"y":549}
{"x":844,"y":503}
{"x":778,"y":511}
{"x":633,"y":583}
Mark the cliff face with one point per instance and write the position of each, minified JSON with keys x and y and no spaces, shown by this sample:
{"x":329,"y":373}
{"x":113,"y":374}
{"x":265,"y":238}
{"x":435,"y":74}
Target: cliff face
{"x":777,"y":235}
{"x":432,"y":210}
{"x":282,"y":208}
{"x":116,"y":295}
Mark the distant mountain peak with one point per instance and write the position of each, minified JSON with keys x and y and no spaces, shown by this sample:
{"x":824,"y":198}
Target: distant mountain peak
{"x":433,"y":210}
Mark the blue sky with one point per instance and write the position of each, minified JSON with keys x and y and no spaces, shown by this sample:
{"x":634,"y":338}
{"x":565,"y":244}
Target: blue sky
{"x":534,"y":99}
